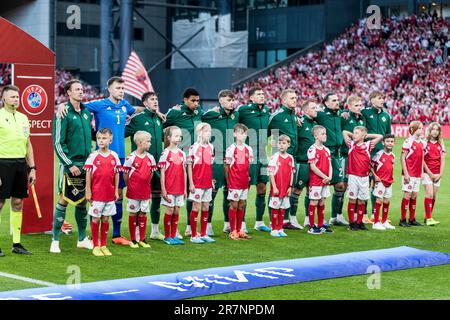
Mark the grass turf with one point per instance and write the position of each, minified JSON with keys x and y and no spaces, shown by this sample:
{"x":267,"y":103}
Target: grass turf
{"x":425,"y":283}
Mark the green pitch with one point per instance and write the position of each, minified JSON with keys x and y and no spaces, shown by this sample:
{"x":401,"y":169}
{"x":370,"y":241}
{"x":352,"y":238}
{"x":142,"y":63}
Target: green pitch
{"x":427,"y":283}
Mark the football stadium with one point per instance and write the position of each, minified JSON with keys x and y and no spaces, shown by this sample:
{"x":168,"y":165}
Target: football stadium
{"x":225,"y":150}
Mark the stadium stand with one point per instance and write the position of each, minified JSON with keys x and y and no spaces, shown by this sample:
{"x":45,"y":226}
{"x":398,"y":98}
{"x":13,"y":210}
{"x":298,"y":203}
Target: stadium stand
{"x":404,"y":59}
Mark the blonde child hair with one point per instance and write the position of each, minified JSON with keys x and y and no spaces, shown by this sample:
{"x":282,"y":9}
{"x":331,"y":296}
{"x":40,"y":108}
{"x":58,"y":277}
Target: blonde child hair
{"x":413,"y":126}
{"x":199,"y":129}
{"x":431,"y":127}
{"x":141,"y":135}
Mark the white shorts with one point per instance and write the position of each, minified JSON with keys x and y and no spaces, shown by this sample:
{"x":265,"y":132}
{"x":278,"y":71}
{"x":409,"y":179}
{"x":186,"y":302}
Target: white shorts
{"x":412,"y":186}
{"x":201,"y":195}
{"x":318,"y":192}
{"x":237,"y":194}
{"x":134,"y":206}
{"x":380,"y":191}
{"x":99,"y":209}
{"x":175,"y":201}
{"x":427,"y":180}
{"x":358,"y":187}
{"x":279,"y":203}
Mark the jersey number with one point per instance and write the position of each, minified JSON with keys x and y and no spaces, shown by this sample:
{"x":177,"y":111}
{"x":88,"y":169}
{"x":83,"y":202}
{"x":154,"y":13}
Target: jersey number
{"x":341,"y":172}
{"x":118,"y":119}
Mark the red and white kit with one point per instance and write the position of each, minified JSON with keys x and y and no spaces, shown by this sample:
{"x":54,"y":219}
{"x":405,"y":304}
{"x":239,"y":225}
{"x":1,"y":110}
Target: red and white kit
{"x":282,"y":169}
{"x":238,"y":158}
{"x":414,"y":150}
{"x":174,"y":161}
{"x":103,"y":169}
{"x":433,"y":153}
{"x":358,"y":168}
{"x":139,"y":169}
{"x":201,"y":157}
{"x":321,"y":157}
{"x":383,"y":164}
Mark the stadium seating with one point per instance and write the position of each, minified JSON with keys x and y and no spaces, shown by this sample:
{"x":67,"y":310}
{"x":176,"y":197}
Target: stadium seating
{"x":404,"y":59}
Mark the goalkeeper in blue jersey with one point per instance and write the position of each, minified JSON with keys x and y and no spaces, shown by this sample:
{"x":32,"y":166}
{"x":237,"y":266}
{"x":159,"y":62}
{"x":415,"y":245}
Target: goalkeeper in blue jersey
{"x":112,"y":113}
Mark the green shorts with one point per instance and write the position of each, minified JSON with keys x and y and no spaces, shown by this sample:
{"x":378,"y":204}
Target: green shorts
{"x":258,"y":173}
{"x":301,"y":179}
{"x":345,"y":169}
{"x":218,"y":176}
{"x":338,"y":165}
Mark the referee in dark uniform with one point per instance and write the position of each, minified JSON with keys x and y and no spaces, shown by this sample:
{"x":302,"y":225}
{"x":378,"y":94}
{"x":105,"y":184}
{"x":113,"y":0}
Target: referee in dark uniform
{"x":17,"y":168}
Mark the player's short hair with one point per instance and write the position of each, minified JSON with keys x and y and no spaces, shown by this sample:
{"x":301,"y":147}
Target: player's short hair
{"x":114,"y":79}
{"x":226,"y":94}
{"x":9,"y":87}
{"x":190,"y":92}
{"x":360,"y":128}
{"x":430,"y":127}
{"x":106,"y":131}
{"x":327,"y":96}
{"x":168,"y":133}
{"x":147,"y":95}
{"x":413,"y":126}
{"x":388,"y":136}
{"x":285,"y":92}
{"x":353,"y":99}
{"x":305,"y":105}
{"x":318,"y":128}
{"x":240,"y":127}
{"x":253,"y":89}
{"x":68,"y":84}
{"x":141,"y":135}
{"x":375,"y":94}
{"x":284,"y":137}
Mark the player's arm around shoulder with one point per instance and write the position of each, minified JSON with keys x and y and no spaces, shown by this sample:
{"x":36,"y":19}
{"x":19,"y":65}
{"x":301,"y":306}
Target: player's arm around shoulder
{"x":171,"y":117}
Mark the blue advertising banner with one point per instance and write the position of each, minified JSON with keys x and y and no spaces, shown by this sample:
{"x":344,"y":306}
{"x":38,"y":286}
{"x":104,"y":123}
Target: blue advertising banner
{"x":197,"y":283}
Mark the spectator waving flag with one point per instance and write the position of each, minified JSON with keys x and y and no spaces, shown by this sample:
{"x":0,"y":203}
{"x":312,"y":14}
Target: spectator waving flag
{"x":136,"y":78}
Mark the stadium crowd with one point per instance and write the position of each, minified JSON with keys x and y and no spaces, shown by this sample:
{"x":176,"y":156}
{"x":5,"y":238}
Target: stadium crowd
{"x":62,"y":77}
{"x":404,"y":59}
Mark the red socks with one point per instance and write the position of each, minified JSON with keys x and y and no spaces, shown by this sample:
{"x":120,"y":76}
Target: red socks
{"x":94,"y":231}
{"x":351,"y":211}
{"x":404,"y":208}
{"x":174,"y":226}
{"x":428,"y":204}
{"x":193,"y":220}
{"x":376,"y":212}
{"x":280,"y":219}
{"x":167,"y":223}
{"x":142,"y":220}
{"x":240,"y":218}
{"x":412,"y":209}
{"x":385,"y":212}
{"x":361,"y":210}
{"x":321,"y":214}
{"x":311,"y":211}
{"x":232,"y":215}
{"x":104,"y":233}
{"x":132,"y":227}
{"x":203,"y":223}
{"x":274,"y":218}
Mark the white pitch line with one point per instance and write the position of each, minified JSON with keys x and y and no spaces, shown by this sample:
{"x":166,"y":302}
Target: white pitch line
{"x":30,"y":280}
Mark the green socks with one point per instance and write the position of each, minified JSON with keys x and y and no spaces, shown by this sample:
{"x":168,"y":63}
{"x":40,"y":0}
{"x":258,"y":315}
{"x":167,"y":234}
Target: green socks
{"x":154,"y":208}
{"x":337,"y":203}
{"x":58,"y":220}
{"x":293,"y":199}
{"x":81,"y":219}
{"x":16,"y":223}
{"x":260,"y":204}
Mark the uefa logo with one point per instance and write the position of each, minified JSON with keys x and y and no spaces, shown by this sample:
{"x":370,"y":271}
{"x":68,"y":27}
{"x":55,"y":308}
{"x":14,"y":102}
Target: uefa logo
{"x":34,"y":99}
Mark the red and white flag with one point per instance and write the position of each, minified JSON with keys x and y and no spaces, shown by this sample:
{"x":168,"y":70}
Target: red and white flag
{"x":136,"y":78}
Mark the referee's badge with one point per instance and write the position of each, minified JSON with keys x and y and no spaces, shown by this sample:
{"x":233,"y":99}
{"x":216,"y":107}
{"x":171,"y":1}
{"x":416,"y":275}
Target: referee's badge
{"x":26,"y":131}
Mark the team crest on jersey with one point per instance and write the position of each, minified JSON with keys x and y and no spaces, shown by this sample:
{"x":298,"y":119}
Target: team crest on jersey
{"x":85,"y":116}
{"x":158,"y":123}
{"x":124,"y":109}
{"x":232,"y":117}
{"x":195,"y":111}
{"x":98,"y":162}
{"x":34,"y":99}
{"x":264,"y":110}
{"x":384,"y":119}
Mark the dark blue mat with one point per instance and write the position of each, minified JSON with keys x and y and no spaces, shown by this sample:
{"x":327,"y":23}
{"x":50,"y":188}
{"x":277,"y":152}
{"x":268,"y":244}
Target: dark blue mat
{"x":197,"y":283}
